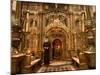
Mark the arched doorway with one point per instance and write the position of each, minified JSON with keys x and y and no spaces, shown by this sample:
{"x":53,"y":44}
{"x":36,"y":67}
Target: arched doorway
{"x":59,"y":35}
{"x":57,"y":49}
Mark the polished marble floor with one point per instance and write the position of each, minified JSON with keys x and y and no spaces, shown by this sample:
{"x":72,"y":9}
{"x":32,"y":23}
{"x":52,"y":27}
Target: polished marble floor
{"x":57,"y":66}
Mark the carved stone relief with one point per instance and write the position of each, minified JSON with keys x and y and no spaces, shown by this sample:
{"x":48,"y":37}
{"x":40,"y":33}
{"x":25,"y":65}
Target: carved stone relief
{"x":56,"y":16}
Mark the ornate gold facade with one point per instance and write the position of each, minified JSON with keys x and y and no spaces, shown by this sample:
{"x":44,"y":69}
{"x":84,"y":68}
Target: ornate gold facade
{"x":70,"y":26}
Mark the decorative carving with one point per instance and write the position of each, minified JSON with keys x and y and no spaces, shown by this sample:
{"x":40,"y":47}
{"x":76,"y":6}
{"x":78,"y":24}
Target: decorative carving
{"x":56,"y":17}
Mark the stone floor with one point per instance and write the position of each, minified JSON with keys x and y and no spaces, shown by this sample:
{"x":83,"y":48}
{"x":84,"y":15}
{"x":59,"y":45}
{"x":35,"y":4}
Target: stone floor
{"x":57,"y":66}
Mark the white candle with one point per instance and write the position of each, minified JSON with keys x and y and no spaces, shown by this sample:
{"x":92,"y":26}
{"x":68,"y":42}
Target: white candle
{"x":83,"y":22}
{"x":27,"y":23}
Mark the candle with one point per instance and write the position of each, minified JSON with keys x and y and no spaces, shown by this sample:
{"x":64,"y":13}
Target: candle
{"x":27,"y":23}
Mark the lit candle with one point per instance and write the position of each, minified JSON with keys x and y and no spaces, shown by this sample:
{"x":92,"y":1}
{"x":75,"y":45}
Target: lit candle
{"x":83,"y":22}
{"x":27,"y":23}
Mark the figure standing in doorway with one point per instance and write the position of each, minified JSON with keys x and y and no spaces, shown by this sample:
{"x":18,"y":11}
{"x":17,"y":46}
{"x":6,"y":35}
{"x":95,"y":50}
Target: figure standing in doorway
{"x":47,"y":47}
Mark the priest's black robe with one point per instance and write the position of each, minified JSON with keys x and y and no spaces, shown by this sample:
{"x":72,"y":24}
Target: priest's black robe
{"x":47,"y":47}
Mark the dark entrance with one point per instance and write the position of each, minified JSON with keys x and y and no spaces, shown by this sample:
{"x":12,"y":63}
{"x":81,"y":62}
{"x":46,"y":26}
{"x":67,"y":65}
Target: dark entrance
{"x":57,"y":48}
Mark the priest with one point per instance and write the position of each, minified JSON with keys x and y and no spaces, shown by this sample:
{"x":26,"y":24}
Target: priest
{"x":47,"y":47}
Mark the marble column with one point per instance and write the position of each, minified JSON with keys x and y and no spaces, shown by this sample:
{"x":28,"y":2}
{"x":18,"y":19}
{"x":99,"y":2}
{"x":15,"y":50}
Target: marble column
{"x":71,"y":20}
{"x":69,"y":39}
{"x":40,"y":34}
{"x":70,"y":35}
{"x":18,"y":12}
{"x":14,"y":4}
